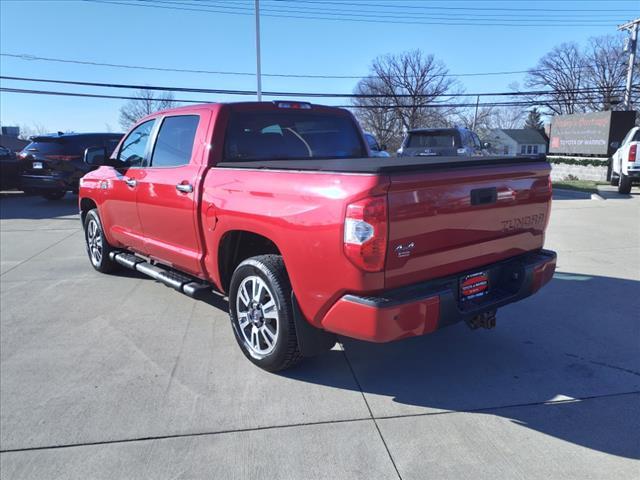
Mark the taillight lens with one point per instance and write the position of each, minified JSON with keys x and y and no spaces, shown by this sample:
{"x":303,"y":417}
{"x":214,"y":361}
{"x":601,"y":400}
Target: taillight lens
{"x":632,"y":153}
{"x":64,"y":158}
{"x":365,"y":233}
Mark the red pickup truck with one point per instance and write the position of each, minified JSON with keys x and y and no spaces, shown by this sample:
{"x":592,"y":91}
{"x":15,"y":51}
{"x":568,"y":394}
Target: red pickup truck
{"x":282,"y":207}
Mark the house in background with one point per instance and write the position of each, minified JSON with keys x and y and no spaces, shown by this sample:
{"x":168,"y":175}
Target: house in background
{"x":517,"y":141}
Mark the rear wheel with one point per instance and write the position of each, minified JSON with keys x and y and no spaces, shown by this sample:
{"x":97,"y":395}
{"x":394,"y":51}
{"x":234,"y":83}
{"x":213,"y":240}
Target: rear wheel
{"x":615,"y":179}
{"x":98,"y":248}
{"x":55,"y":195}
{"x":624,"y":184}
{"x":262,"y":314}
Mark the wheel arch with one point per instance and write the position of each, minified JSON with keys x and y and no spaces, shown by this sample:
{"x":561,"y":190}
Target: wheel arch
{"x":86,"y":204}
{"x":236,"y":246}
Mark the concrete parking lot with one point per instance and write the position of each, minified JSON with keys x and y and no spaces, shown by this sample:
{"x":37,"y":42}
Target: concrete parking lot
{"x":116,"y":376}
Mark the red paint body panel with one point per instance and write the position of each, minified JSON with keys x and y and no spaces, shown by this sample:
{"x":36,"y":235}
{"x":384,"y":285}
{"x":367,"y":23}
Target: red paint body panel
{"x":379,"y":325}
{"x":302,"y":213}
{"x":433,"y":210}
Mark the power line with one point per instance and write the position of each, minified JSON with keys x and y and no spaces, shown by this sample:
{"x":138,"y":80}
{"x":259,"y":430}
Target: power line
{"x":575,"y":13}
{"x":430,"y":105}
{"x":291,"y":94}
{"x":425,"y":7}
{"x":91,"y":95}
{"x":353,"y":19}
{"x":352,"y":13}
{"x":30,"y":57}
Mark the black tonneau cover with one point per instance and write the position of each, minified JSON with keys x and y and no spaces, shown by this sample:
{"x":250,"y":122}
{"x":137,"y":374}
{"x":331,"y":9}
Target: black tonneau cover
{"x":378,"y":164}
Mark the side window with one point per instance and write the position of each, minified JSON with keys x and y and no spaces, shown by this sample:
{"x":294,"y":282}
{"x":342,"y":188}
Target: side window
{"x":135,"y":145}
{"x":175,"y":141}
{"x":535,"y":149}
{"x":523,"y":149}
{"x":373,"y":144}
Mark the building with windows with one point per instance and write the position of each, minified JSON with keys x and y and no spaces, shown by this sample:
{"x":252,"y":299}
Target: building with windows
{"x":9,"y":139}
{"x":518,"y":141}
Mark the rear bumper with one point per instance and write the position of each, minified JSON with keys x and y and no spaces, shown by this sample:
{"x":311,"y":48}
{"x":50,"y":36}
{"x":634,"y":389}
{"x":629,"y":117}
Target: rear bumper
{"x":634,"y":174}
{"x":423,"y":308}
{"x":47,"y":182}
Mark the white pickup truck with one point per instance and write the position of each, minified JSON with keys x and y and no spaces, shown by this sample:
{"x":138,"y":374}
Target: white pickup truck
{"x":625,"y":164}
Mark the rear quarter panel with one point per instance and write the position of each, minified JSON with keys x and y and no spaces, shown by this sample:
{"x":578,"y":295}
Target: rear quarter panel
{"x":303,"y":214}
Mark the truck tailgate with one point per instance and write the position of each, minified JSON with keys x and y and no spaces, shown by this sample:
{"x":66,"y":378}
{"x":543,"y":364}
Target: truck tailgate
{"x":447,"y":221}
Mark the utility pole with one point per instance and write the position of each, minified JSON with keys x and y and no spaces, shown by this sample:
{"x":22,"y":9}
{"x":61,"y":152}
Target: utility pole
{"x":632,"y":26}
{"x":475,"y":116}
{"x":258,"y":72}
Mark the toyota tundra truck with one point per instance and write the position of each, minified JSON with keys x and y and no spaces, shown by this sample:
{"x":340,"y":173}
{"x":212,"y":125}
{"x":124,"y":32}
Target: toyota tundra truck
{"x":282,"y":208}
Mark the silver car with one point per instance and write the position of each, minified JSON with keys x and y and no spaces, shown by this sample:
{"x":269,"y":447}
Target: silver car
{"x":432,"y":142}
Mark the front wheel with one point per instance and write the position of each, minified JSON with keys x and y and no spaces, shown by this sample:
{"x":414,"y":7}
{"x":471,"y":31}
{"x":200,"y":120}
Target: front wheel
{"x":98,"y":248}
{"x":624,"y":184}
{"x":262,"y":314}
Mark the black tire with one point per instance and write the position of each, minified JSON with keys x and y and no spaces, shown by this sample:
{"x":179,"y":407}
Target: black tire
{"x":96,"y":239}
{"x":624,"y":185}
{"x":284,"y":352}
{"x":55,"y":195}
{"x":615,"y":180}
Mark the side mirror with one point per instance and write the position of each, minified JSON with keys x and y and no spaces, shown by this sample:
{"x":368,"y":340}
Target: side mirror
{"x":383,"y":147}
{"x":96,"y":156}
{"x":486,"y":145}
{"x":615,"y":144}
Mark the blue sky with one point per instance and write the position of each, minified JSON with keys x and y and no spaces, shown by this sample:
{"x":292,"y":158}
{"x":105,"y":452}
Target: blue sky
{"x":124,"y":34}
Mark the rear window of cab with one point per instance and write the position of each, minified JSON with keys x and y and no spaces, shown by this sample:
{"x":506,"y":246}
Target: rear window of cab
{"x":291,"y":135}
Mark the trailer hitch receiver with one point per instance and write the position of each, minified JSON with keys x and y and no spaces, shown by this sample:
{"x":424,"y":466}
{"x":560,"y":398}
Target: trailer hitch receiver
{"x":484,"y":320}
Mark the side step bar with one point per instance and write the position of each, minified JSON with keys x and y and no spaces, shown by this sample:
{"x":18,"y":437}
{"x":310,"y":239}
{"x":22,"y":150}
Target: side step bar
{"x":176,"y":280}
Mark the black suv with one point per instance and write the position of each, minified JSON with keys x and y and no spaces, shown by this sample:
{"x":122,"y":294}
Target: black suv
{"x":51,"y":165}
{"x":454,"y":141}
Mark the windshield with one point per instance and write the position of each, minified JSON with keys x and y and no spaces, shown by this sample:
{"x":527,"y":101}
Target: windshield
{"x":440,"y":138}
{"x":288,"y":135}
{"x":70,"y":145}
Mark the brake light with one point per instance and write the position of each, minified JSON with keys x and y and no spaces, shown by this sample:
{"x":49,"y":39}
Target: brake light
{"x":632,"y":153}
{"x":63,"y":157}
{"x":294,"y":105}
{"x":365,"y":233}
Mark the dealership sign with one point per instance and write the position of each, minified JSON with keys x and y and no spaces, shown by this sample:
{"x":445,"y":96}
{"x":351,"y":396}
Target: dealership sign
{"x":589,"y":133}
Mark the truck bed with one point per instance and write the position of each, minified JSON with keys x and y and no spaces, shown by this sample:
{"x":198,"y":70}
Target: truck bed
{"x":379,"y":164}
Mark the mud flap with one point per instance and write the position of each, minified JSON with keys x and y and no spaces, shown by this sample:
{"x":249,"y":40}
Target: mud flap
{"x":311,"y":340}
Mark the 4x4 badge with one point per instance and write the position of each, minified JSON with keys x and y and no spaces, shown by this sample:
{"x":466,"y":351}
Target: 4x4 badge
{"x":404,"y":250}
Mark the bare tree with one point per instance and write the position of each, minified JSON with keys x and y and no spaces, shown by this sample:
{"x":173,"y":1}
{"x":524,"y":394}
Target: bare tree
{"x":605,"y":72}
{"x":32,"y":130}
{"x":481,"y":123}
{"x":507,"y":117}
{"x":146,"y":103}
{"x":378,"y":118}
{"x":406,"y":87}
{"x":562,"y":70}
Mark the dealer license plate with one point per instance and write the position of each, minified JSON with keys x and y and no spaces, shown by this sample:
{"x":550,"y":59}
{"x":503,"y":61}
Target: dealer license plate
{"x":473,"y":286}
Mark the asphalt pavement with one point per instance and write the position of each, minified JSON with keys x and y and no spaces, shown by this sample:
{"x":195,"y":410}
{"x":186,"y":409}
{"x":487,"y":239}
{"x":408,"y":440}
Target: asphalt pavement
{"x":118,"y":377}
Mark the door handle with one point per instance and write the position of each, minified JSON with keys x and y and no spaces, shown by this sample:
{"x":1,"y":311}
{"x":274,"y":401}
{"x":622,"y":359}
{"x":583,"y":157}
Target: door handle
{"x":184,"y":187}
{"x":131,"y":182}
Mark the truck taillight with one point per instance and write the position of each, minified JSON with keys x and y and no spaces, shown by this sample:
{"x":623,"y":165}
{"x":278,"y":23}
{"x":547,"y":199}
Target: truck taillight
{"x":632,"y":153}
{"x":365,"y":233}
